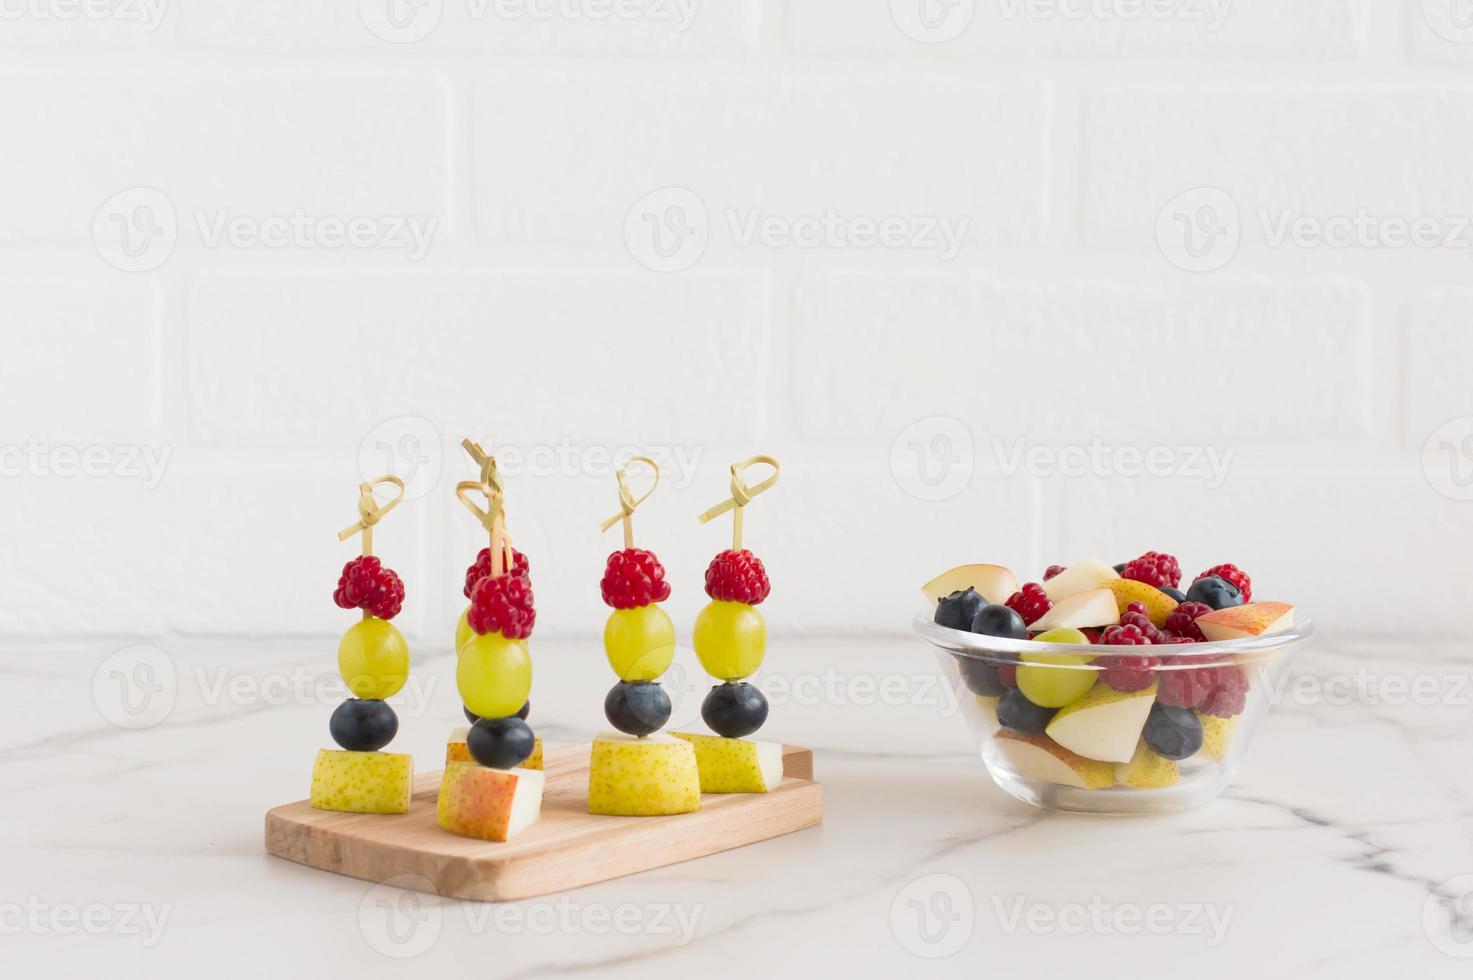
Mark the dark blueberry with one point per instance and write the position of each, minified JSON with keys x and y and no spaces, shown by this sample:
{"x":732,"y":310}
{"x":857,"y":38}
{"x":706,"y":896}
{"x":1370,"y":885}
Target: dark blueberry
{"x":1120,"y":568}
{"x":500,"y":743}
{"x":1175,"y":733}
{"x":999,"y":621}
{"x":1021,"y":715}
{"x":734,"y":710}
{"x":470,"y":715}
{"x":1217,"y":592}
{"x":526,"y":710}
{"x":1176,"y":594}
{"x":637,"y":707}
{"x":957,"y":609}
{"x":363,"y":726}
{"x":981,"y":677}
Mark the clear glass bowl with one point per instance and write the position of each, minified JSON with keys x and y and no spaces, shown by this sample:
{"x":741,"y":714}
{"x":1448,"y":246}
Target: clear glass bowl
{"x":1036,"y":769}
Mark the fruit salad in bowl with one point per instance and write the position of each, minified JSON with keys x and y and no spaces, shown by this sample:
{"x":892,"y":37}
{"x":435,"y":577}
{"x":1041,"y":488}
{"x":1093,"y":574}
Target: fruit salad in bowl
{"x":1111,"y":689}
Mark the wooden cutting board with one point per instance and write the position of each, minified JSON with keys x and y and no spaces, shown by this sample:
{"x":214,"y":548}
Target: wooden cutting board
{"x":568,"y":847}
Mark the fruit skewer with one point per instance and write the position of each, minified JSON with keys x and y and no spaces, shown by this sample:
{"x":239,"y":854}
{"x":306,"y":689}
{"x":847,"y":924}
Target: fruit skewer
{"x":636,"y":771}
{"x":730,"y":639}
{"x":373,"y":659}
{"x":491,"y":795}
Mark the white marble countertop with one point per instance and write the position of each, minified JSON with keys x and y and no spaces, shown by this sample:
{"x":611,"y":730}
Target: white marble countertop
{"x":138,"y":853}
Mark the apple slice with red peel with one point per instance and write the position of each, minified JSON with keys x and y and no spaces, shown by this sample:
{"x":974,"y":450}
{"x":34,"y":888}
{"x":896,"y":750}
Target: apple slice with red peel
{"x":995,"y":583}
{"x":1082,"y":576}
{"x":1254,"y":619}
{"x":1085,"y":609}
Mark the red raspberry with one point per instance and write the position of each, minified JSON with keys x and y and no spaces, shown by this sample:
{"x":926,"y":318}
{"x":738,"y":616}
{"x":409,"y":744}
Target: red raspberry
{"x":737,"y":576}
{"x":503,"y":605}
{"x":1092,"y":634}
{"x":481,"y":567}
{"x":366,"y":584}
{"x":1154,"y":568}
{"x":1030,"y":602}
{"x":1182,"y":621}
{"x":1135,"y":615}
{"x":1233,"y":574}
{"x":633,"y":578}
{"x":1215,"y":688}
{"x":1127,"y":673}
{"x":1051,"y":571}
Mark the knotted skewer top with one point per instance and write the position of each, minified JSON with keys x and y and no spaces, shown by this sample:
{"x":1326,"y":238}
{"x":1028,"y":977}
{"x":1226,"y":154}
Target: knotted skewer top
{"x":742,"y":494}
{"x":493,"y":518}
{"x":370,"y":511}
{"x":627,"y":501}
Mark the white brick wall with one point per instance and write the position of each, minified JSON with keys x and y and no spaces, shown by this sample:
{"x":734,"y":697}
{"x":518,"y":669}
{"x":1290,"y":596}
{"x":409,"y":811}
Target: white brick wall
{"x":245,"y":245}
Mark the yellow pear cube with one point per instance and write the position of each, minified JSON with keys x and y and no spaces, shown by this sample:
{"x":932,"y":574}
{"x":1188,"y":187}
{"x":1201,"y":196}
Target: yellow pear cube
{"x":362,"y":782}
{"x":735,"y":765}
{"x":642,"y":777}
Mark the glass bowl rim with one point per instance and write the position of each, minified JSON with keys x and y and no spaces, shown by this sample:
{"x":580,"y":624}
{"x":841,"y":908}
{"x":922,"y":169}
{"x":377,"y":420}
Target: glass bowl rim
{"x":998,"y":649}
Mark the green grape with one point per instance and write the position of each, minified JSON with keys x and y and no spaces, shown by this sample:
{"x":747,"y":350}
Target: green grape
{"x":373,"y":658}
{"x":463,"y":631}
{"x":1056,"y":684}
{"x":494,"y":675}
{"x":640,"y":642}
{"x":730,"y":639}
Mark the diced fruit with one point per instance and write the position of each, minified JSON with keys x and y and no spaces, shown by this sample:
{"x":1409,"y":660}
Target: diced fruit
{"x":500,"y":743}
{"x":637,"y":708}
{"x":1216,"y":592}
{"x":994,"y":582}
{"x":1212,"y":687}
{"x":642,"y":777}
{"x":735,"y":765}
{"x":1158,"y":604}
{"x":1105,"y":724}
{"x":734,"y":710}
{"x":995,"y":620}
{"x":494,"y":674}
{"x":1217,"y":735}
{"x":1126,"y":672}
{"x":1135,"y":615}
{"x":362,"y":782}
{"x":959,"y":609}
{"x":639,"y":642}
{"x":488,"y":804}
{"x":1154,"y":568}
{"x":730,"y":639}
{"x":1147,"y":770}
{"x":1235,"y":575}
{"x":1254,"y":619}
{"x":1082,"y":576}
{"x":463,"y":631}
{"x":1041,"y":760}
{"x":987,"y":708}
{"x":1093,"y":608}
{"x":456,"y":750}
{"x":980,"y":677}
{"x":1175,"y":733}
{"x":363,"y":726}
{"x":1015,"y":711}
{"x":373,"y":658}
